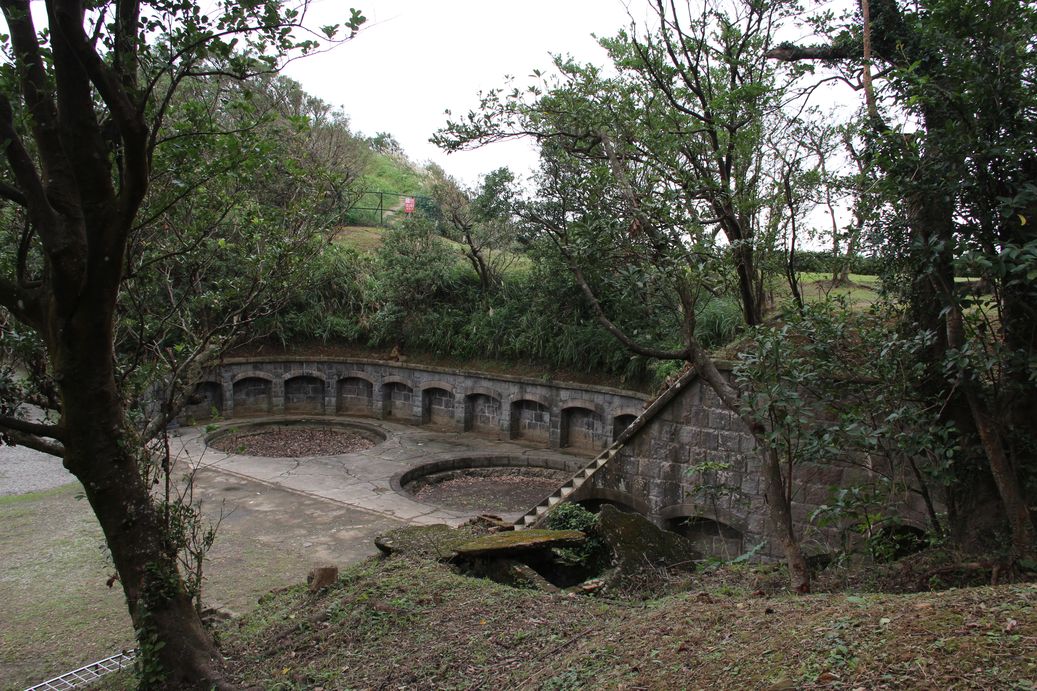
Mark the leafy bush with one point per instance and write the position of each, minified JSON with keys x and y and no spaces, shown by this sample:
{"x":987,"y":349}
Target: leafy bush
{"x":571,"y":516}
{"x":416,"y":292}
{"x":593,"y":553}
{"x":718,"y":322}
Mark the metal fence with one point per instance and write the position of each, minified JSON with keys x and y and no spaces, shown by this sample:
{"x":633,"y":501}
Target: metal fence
{"x":383,"y":204}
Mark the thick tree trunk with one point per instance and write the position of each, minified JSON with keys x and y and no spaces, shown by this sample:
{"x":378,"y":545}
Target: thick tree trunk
{"x":936,"y":307}
{"x":1019,"y":325}
{"x":1024,"y":537}
{"x":174,"y":645}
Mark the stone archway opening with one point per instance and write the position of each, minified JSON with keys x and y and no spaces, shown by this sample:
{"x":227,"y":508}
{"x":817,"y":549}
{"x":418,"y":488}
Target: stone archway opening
{"x":398,"y":400}
{"x":437,"y":408}
{"x":712,"y":538}
{"x":354,"y":395}
{"x":206,"y":403}
{"x":582,"y":429}
{"x":253,"y":396}
{"x":304,"y":394}
{"x":482,"y":414}
{"x":530,"y":421}
{"x":620,"y":423}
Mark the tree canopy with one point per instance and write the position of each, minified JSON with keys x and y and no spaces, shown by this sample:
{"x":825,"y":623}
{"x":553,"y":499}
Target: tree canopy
{"x":126,"y":134}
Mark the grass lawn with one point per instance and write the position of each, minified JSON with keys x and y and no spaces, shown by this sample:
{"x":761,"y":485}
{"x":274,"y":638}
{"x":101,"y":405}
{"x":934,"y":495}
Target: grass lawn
{"x":56,"y":609}
{"x":360,"y":238}
{"x":862,"y":290}
{"x":57,"y":613}
{"x":369,"y":239}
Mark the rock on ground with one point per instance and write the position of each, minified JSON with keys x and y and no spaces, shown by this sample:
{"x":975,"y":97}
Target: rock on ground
{"x":638,"y":543}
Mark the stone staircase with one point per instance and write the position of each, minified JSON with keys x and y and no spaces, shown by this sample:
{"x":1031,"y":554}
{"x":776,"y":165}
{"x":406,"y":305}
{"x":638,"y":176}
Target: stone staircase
{"x":538,"y":513}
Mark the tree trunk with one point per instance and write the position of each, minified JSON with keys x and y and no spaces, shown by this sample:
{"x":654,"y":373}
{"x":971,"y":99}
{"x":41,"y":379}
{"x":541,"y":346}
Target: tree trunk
{"x":778,"y":506}
{"x":1024,"y":537}
{"x":176,"y":651}
{"x":780,"y":511}
{"x":936,"y":307}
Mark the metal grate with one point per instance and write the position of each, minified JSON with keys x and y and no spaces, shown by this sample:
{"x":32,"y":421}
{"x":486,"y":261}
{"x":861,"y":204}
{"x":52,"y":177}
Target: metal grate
{"x":88,"y":674}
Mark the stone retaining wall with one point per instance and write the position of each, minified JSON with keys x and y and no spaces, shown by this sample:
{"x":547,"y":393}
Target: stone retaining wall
{"x":552,"y":414}
{"x":693,"y":468}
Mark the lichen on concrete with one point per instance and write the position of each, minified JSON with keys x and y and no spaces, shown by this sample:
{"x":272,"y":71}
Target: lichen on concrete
{"x":520,"y":541}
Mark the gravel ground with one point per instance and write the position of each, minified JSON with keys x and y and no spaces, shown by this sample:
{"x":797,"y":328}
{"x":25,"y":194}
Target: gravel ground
{"x":25,"y":470}
{"x":499,"y":493}
{"x":293,"y":442}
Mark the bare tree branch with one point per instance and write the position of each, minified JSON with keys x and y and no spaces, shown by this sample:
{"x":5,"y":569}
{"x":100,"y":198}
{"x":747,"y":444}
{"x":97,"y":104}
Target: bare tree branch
{"x":33,"y":442}
{"x":35,"y":428}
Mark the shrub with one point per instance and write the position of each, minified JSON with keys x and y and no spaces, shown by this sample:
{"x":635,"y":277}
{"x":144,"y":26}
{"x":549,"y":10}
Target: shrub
{"x":593,"y":553}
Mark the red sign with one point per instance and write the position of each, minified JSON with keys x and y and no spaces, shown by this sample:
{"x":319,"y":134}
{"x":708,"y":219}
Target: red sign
{"x":408,"y":205}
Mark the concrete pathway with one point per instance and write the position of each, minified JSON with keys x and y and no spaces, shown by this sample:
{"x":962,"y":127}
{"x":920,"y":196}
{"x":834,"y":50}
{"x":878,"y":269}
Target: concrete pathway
{"x":363,"y":480}
{"x":24,"y":470}
{"x":282,"y":516}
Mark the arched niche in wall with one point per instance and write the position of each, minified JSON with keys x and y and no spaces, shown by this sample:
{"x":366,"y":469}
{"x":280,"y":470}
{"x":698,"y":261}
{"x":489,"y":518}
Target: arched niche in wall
{"x":304,"y":393}
{"x":253,"y":394}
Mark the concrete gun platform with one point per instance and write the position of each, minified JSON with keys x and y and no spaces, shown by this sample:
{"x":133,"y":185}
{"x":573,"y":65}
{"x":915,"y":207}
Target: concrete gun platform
{"x":361,"y":480}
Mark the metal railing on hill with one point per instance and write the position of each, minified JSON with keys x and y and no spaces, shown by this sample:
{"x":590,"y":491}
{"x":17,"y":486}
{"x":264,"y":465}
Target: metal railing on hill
{"x":389,"y":203}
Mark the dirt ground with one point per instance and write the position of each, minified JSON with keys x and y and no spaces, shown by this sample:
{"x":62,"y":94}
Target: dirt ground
{"x":498,"y":493}
{"x":409,"y":623}
{"x":293,"y":442}
{"x":54,"y":561}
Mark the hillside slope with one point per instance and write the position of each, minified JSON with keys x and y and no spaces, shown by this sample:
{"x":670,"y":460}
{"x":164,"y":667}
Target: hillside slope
{"x":416,"y":625}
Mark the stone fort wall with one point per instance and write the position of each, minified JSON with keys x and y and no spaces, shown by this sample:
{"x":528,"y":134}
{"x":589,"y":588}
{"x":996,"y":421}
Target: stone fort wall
{"x":693,"y":468}
{"x":583,"y":419}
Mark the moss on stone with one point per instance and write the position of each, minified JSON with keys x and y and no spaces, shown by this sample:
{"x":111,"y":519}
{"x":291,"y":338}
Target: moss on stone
{"x":637,"y":543}
{"x":520,"y":540}
{"x":437,"y":541}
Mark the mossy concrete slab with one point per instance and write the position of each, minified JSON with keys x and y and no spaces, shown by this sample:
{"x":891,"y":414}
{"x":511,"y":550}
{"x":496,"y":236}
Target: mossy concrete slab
{"x":436,"y":541}
{"x":504,"y":544}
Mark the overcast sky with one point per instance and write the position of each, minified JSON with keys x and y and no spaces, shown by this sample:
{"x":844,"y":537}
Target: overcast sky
{"x":417,"y":58}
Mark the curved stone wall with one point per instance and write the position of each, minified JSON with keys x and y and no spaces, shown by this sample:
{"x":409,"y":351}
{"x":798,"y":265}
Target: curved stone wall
{"x":582,"y":418}
{"x":693,"y":467}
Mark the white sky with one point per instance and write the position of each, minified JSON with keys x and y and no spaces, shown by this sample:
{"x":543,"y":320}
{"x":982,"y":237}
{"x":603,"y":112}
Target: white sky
{"x":414,"y":59}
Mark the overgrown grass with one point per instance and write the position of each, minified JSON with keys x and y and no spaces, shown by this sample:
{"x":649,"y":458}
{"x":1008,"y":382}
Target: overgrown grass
{"x":415,"y":624}
{"x":393,"y":177}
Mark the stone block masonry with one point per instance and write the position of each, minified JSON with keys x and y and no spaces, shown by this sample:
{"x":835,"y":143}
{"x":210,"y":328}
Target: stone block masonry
{"x":251,"y":395}
{"x":582,"y":419}
{"x":692,"y":468}
{"x":304,"y":394}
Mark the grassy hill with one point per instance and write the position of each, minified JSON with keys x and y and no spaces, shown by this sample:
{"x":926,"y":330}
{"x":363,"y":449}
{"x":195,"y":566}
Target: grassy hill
{"x":399,"y":623}
{"x":386,"y":181}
